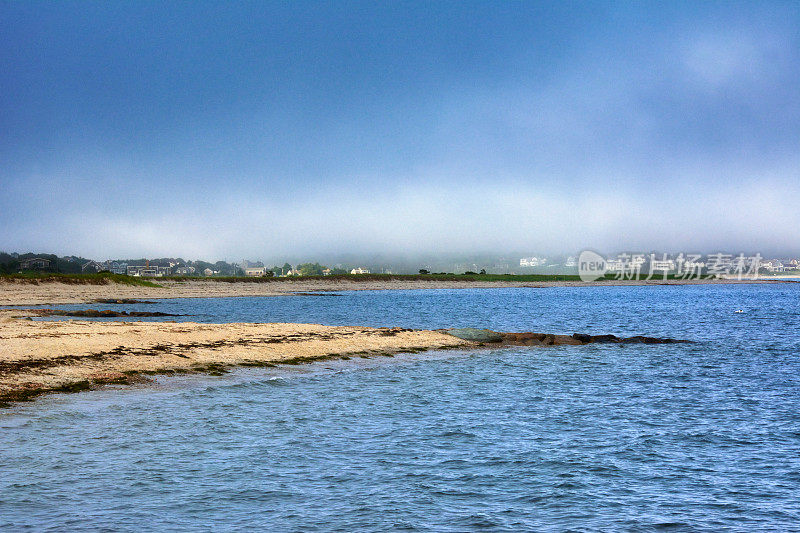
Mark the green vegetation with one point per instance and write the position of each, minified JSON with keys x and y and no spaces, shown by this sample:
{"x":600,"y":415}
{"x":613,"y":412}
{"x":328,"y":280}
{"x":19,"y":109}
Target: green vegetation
{"x":101,"y":278}
{"x":310,"y":269}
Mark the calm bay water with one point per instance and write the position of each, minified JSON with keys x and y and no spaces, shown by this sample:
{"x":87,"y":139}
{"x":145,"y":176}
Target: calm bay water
{"x":702,"y":436}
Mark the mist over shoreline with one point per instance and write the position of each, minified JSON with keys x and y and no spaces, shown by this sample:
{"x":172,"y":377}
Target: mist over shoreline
{"x":399,"y":130}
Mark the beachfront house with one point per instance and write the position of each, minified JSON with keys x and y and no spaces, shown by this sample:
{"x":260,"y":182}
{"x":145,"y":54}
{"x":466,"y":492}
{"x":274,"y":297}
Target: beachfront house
{"x":117,"y":267}
{"x":359,"y":271}
{"x":147,"y":271}
{"x":662,"y":265}
{"x":35,"y":263}
{"x":255,"y":272}
{"x":773,"y":266}
{"x":532,"y":261}
{"x":93,"y":266}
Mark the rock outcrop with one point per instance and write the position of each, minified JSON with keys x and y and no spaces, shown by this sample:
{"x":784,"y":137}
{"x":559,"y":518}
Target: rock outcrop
{"x":547,"y":339}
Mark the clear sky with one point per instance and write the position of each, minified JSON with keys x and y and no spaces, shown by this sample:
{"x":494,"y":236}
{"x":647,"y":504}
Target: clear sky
{"x":230,"y":129}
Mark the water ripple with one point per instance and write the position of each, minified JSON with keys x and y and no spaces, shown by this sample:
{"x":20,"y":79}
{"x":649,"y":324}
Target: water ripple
{"x":699,"y":437}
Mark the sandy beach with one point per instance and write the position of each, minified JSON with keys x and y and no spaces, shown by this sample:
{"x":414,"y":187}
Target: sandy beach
{"x":17,"y":292}
{"x":42,"y":356}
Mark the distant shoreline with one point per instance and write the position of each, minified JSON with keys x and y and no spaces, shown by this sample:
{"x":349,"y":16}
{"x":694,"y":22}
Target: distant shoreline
{"x":15,"y":292}
{"x":782,"y":277}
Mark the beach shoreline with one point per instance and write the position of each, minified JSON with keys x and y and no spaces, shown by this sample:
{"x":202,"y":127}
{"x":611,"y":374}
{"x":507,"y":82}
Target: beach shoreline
{"x":40,"y":356}
{"x":72,"y":355}
{"x":24,"y":292}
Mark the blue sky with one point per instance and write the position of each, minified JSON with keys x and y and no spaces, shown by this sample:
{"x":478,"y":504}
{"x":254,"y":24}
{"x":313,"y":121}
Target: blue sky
{"x":226,"y":130}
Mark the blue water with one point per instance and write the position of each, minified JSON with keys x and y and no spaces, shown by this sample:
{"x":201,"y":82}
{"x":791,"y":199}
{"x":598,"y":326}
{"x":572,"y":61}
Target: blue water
{"x":690,"y":437}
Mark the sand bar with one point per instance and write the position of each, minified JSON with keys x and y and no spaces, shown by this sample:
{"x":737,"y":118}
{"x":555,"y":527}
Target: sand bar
{"x":71,"y":355}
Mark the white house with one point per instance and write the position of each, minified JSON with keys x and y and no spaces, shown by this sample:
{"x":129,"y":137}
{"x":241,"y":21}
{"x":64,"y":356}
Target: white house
{"x":148,"y":271}
{"x":662,"y":265}
{"x":255,"y":272}
{"x":532,"y":261}
{"x":359,"y":271}
{"x":117,"y":267}
{"x":773,"y":266}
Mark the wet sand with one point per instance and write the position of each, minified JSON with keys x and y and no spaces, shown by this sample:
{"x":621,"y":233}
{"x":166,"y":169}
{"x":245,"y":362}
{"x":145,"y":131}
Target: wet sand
{"x":42,"y":356}
{"x":14,"y":292}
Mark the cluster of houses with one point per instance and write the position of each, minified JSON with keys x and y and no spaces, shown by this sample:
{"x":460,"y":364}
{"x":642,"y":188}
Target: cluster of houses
{"x":541,"y":261}
{"x":261,"y":271}
{"x":775,"y":265}
{"x":140,"y":271}
{"x":532,"y":261}
{"x":174,"y":269}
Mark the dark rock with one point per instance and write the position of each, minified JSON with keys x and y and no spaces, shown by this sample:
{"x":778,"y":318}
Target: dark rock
{"x":605,"y":338}
{"x":546,"y":339}
{"x":565,"y":340}
{"x":524,"y":339}
{"x":649,"y":340}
